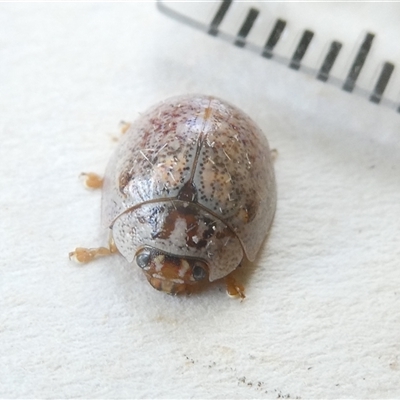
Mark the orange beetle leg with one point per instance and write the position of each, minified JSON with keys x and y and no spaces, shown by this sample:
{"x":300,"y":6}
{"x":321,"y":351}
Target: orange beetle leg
{"x":83,"y":255}
{"x":124,"y":126}
{"x":234,"y":288}
{"x":91,"y":180}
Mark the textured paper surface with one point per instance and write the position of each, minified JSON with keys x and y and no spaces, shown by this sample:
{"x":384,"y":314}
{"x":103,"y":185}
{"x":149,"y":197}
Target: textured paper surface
{"x":322,"y":313}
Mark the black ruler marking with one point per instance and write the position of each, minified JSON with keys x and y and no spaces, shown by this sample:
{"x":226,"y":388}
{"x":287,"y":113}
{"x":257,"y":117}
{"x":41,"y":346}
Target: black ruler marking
{"x":273,"y":38}
{"x":219,"y":16}
{"x":323,"y":73}
{"x":382,"y":82}
{"x":301,"y":49}
{"x":245,"y":28}
{"x":358,"y":63}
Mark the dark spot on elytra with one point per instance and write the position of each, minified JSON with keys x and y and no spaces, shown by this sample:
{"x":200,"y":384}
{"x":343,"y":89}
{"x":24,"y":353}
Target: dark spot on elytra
{"x":123,"y":180}
{"x":209,"y":232}
{"x":188,"y":192}
{"x":192,"y":218}
{"x":201,"y":243}
{"x":168,"y":226}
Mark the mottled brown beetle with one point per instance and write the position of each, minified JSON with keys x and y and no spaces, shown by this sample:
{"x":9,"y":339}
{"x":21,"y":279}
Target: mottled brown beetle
{"x":189,"y":192}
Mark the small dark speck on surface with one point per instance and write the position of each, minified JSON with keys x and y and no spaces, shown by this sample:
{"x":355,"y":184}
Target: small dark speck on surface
{"x":189,"y":359}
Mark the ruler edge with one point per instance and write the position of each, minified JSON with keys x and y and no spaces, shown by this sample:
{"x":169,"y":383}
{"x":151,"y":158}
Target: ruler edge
{"x":367,"y":94}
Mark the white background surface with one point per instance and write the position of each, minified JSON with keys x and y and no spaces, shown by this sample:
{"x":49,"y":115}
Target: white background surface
{"x":322,"y":314}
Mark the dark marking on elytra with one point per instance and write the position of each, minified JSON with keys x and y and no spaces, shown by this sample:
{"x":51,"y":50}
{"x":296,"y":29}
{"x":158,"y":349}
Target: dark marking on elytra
{"x":190,"y":214}
{"x":123,"y":181}
{"x":201,"y":243}
{"x":209,"y":232}
{"x":188,"y":192}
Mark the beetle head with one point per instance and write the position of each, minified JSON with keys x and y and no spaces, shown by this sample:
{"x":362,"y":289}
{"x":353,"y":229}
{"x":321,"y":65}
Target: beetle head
{"x":169,"y":273}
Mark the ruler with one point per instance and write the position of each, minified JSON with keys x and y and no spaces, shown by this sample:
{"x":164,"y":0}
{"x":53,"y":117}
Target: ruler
{"x":354,"y":62}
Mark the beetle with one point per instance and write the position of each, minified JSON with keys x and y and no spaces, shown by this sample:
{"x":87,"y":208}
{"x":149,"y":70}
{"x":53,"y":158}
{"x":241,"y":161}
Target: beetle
{"x":188,"y":194}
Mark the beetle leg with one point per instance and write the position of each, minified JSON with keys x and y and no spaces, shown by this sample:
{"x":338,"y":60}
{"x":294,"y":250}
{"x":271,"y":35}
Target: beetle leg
{"x":234,"y":288}
{"x":95,"y":181}
{"x":82,"y":255}
{"x":91,"y":180}
{"x":124,"y":126}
